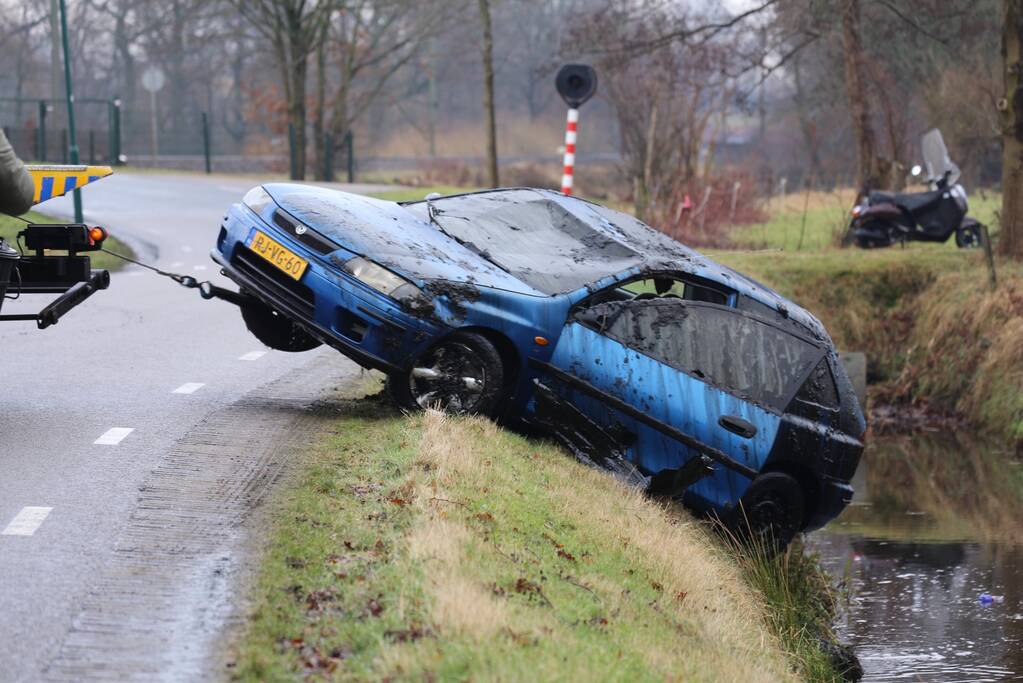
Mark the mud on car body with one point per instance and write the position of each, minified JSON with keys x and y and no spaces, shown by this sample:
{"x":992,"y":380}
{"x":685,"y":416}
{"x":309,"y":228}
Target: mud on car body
{"x":634,"y":351}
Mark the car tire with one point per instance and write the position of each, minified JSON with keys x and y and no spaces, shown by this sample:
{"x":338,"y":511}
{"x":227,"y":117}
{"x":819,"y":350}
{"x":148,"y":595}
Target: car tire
{"x":770,"y":513}
{"x":439,"y":378}
{"x":275,"y":330}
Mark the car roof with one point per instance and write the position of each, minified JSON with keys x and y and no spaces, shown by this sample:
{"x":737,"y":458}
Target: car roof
{"x":553,"y":242}
{"x":533,"y":242}
{"x":563,"y":244}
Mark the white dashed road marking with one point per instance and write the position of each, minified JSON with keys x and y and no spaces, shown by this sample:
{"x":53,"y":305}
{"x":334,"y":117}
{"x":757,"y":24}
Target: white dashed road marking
{"x":113,"y":436}
{"x":26,"y":522}
{"x":189,"y":388}
{"x":252,"y":355}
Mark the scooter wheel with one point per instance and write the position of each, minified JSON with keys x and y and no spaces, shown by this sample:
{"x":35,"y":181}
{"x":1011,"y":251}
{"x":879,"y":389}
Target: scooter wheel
{"x":968,"y":237}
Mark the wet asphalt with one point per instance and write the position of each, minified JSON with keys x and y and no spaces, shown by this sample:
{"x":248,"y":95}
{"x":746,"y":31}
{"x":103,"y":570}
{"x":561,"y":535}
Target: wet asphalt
{"x":116,"y":362}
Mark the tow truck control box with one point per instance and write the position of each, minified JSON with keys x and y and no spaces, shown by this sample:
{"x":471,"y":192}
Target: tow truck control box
{"x":54,"y":263}
{"x":67,"y":273}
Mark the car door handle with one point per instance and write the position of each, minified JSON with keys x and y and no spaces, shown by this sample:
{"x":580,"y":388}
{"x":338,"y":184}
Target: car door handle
{"x":737,"y":425}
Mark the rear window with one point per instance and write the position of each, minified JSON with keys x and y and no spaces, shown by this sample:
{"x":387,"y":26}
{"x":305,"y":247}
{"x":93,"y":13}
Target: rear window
{"x":738,"y":353}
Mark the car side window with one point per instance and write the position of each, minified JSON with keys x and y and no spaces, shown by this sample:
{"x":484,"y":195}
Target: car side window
{"x":740,"y":354}
{"x":676,"y":287}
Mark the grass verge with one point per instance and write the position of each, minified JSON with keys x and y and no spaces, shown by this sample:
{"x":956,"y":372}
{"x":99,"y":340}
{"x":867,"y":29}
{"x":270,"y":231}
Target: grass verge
{"x":10,"y":227}
{"x":436,"y":548}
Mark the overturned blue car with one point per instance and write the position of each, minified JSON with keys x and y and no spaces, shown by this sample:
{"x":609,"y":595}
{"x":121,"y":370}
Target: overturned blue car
{"x":635,"y":352}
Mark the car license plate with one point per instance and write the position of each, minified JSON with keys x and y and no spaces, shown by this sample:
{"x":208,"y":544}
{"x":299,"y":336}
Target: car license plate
{"x":280,"y":256}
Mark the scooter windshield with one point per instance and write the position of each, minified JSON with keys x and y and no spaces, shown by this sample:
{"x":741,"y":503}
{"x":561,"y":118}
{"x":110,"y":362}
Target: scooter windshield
{"x":936,"y":158}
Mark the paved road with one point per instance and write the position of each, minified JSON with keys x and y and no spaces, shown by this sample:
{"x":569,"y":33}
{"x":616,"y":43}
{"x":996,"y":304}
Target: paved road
{"x":141,"y":419}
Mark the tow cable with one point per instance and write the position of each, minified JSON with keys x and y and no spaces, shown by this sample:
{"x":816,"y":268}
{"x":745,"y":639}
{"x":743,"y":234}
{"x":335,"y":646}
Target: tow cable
{"x":207,"y":290}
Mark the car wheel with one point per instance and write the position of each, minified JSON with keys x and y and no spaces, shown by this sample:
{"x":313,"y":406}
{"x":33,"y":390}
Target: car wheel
{"x":770,"y":513}
{"x":275,"y":330}
{"x":968,"y":237}
{"x":463,"y":375}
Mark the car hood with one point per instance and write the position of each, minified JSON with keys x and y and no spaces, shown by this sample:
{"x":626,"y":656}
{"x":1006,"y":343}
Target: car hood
{"x":392,"y":236}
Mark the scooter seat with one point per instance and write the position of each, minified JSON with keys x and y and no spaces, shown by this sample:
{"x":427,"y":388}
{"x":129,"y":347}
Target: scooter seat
{"x":917,"y":201}
{"x":880,"y":197}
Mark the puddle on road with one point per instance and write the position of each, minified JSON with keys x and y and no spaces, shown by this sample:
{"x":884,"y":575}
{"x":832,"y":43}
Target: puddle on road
{"x":937,"y":521}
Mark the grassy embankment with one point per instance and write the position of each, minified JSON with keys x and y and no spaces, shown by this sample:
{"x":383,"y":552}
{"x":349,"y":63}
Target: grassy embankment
{"x":10,"y":227}
{"x":432,"y":548}
{"x":936,"y":336}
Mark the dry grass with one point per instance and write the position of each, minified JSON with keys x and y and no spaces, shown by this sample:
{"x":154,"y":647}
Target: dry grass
{"x":436,"y":548}
{"x":515,"y":136}
{"x":709,"y":602}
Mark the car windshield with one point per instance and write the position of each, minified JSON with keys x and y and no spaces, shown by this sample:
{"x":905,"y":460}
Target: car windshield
{"x":539,"y":241}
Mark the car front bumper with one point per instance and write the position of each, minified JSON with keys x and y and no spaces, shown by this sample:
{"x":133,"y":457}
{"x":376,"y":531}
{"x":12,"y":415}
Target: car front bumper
{"x":332,"y":306}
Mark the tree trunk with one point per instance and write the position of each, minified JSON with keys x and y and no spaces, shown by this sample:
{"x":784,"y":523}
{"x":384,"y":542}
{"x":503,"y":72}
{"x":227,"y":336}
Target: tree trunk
{"x":490,"y":120}
{"x":433,"y":104}
{"x":806,"y":124}
{"x":859,"y":108}
{"x":296,"y":65}
{"x":1010,"y":242}
{"x":320,"y":152}
{"x":642,"y":184}
{"x":297,"y":117}
{"x":56,"y":69}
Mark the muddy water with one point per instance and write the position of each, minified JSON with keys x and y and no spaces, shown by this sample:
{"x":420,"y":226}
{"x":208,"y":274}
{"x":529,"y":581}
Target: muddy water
{"x":935,"y":527}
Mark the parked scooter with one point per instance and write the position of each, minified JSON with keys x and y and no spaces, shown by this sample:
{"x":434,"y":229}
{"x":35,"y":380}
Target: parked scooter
{"x":883,"y":218}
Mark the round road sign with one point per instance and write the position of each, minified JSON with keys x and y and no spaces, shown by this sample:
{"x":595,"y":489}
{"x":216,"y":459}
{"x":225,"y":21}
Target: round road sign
{"x":153,"y":78}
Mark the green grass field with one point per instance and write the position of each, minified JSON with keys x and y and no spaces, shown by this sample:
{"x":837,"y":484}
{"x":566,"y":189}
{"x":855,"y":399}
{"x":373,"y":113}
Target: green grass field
{"x":816,"y":221}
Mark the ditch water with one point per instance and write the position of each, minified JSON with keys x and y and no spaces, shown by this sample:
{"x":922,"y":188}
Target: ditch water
{"x":934,"y":531}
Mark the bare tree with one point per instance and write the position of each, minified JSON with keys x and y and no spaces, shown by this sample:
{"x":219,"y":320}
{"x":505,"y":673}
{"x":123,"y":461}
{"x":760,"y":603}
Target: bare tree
{"x":664,"y":97}
{"x":489,"y":116}
{"x":867,"y":171}
{"x":295,"y":29}
{"x":366,"y":43}
{"x":1011,"y":106}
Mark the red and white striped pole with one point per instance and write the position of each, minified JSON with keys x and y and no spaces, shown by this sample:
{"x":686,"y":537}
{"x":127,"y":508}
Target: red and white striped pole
{"x":570,"y":133}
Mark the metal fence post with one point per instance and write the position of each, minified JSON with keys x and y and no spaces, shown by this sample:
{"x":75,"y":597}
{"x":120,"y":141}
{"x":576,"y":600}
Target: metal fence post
{"x":351,"y":156}
{"x":41,"y":132}
{"x":292,"y":152}
{"x":206,"y":142}
{"x":115,"y":131}
{"x":989,"y":257}
{"x":328,"y":158}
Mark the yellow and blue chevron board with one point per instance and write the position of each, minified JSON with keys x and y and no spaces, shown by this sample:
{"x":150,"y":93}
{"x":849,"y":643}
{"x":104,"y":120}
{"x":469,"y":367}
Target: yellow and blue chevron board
{"x":57,"y":181}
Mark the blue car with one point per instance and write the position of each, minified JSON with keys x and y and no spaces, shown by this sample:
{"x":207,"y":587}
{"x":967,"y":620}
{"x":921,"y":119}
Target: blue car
{"x":531,"y":306}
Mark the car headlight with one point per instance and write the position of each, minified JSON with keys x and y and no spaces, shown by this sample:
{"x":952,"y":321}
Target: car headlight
{"x":257,"y":199}
{"x":381,"y":279}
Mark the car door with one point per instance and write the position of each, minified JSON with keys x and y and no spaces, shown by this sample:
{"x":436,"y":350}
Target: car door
{"x":678,"y":379}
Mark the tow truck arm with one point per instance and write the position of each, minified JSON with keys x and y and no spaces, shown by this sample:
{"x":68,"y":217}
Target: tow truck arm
{"x":70,"y":275}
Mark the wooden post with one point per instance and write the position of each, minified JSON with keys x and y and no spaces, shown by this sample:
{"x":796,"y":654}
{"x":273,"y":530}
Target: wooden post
{"x":735,"y":201}
{"x":985,"y":240}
